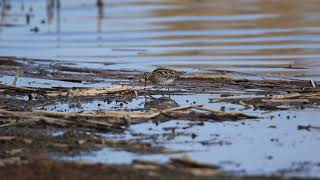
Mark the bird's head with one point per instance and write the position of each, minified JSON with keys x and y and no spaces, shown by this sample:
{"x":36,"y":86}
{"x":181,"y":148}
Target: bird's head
{"x":146,"y":77}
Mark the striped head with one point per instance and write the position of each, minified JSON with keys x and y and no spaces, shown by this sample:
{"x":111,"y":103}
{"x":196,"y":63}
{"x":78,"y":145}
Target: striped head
{"x":147,"y":75}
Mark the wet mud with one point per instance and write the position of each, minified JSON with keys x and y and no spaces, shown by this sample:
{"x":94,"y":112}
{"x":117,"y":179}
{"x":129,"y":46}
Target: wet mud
{"x":57,"y":121}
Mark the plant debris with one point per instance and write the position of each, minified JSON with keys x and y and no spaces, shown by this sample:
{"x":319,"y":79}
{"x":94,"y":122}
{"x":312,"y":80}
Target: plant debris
{"x":176,"y":168}
{"x":28,"y":125}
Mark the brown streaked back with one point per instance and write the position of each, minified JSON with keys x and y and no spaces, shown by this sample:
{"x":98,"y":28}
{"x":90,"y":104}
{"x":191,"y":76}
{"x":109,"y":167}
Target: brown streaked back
{"x":169,"y":73}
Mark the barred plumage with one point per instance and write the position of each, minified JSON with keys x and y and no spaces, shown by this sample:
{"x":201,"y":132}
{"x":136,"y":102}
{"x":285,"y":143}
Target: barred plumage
{"x":162,"y":76}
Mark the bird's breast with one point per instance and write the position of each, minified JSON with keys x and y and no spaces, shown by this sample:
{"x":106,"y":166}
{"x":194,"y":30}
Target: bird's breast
{"x":164,"y":81}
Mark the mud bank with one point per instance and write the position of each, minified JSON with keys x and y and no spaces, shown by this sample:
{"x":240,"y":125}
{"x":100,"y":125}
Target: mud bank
{"x":78,"y":111}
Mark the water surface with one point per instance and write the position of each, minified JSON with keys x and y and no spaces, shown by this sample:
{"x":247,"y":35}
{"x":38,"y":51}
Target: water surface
{"x":271,"y":35}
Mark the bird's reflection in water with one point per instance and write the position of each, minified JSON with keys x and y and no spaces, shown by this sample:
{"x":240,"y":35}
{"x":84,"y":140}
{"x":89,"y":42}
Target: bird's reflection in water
{"x":159,"y":103}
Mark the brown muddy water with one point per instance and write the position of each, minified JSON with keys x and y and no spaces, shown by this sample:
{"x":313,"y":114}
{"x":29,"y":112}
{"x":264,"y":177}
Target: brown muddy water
{"x":252,"y":39}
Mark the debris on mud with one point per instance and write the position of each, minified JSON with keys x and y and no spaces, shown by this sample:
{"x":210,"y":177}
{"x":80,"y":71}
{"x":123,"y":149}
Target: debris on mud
{"x":308,"y":127}
{"x":28,"y":126}
{"x":176,"y":168}
{"x":26,"y":142}
{"x":112,"y":120}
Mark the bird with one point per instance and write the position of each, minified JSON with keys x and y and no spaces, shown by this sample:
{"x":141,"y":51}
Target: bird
{"x":162,"y":76}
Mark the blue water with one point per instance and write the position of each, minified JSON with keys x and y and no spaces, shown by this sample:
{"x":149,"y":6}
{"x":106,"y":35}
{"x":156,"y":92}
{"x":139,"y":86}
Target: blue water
{"x":141,"y":34}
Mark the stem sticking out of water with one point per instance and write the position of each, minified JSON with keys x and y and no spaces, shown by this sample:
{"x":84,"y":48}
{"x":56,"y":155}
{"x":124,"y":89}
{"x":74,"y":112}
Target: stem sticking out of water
{"x":16,"y":77}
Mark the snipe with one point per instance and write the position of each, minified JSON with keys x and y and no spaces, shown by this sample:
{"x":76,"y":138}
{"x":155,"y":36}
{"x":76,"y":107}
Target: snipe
{"x":162,"y":76}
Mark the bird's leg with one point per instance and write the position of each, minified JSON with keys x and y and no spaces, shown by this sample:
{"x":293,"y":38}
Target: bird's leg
{"x":161,"y":91}
{"x":168,"y":91}
{"x":145,"y":83}
{"x":157,"y":88}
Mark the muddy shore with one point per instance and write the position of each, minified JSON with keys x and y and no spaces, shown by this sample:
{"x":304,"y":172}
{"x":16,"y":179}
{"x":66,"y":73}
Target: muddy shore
{"x":34,"y":121}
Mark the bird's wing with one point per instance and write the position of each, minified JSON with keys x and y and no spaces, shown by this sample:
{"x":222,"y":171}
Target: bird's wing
{"x":164,"y":72}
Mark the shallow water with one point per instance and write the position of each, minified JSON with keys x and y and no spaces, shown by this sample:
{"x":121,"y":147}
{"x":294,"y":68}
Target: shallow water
{"x":266,"y":146}
{"x":140,"y":34}
{"x":140,"y":103}
{"x":46,"y":83}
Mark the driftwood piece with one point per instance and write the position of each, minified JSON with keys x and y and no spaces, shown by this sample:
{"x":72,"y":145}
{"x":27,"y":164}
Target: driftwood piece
{"x":194,"y":167}
{"x":7,"y":138}
{"x":115,"y":120}
{"x":286,"y":100}
{"x":92,"y":91}
{"x":221,"y":115}
{"x":280,"y":101}
{"x":134,"y":146}
{"x":180,"y":164}
{"x":308,"y":127}
{"x":53,"y":118}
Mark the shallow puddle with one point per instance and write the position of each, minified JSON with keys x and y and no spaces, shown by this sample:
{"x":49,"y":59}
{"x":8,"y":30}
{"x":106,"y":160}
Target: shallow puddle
{"x":146,"y":102}
{"x":266,"y":146}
